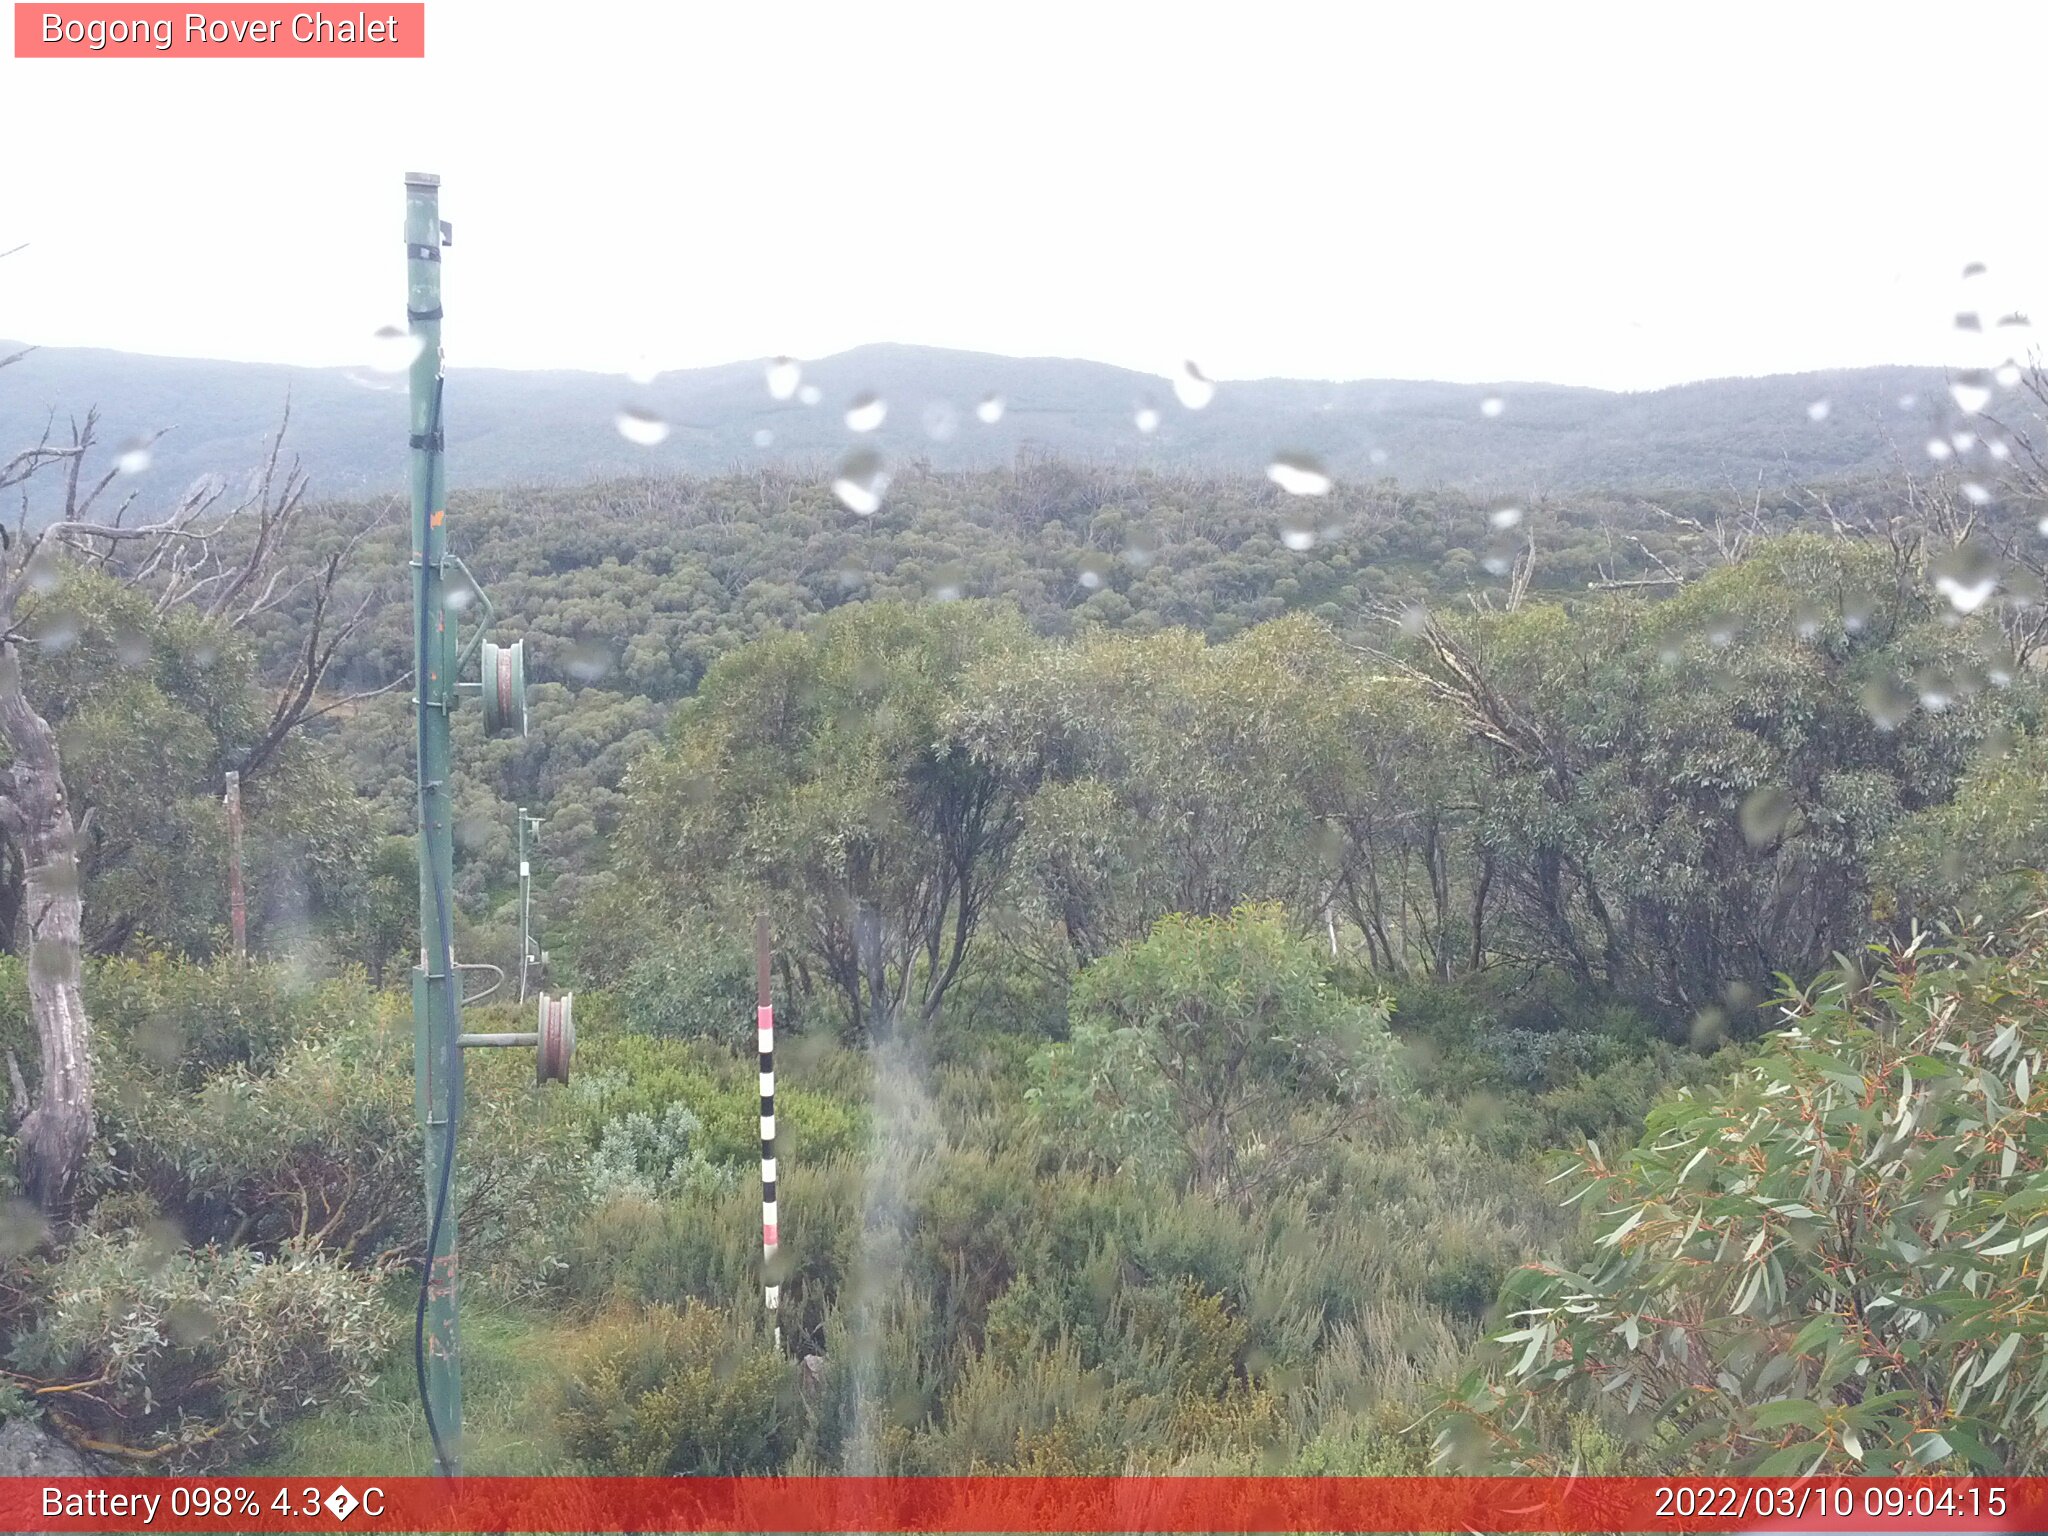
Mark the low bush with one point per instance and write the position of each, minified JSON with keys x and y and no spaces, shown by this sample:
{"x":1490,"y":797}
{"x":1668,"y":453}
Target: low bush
{"x":184,"y":1359}
{"x":666,"y":1392}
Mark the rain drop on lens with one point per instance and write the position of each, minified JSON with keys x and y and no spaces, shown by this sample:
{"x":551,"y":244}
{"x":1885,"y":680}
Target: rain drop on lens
{"x":1818,"y":411}
{"x":1192,"y":387}
{"x":867,"y":412}
{"x":132,"y":458}
{"x":941,"y":421}
{"x":2008,"y":375}
{"x":1971,"y":389}
{"x":587,"y":661}
{"x":1298,"y":533}
{"x":784,"y":374}
{"x":1299,"y":474}
{"x":948,"y":584}
{"x":1962,"y":442}
{"x":1975,"y":494}
{"x":1967,"y":576}
{"x":860,"y":482}
{"x":1764,"y":815}
{"x":643,"y":370}
{"x":1938,"y":449}
{"x":1504,"y":517}
{"x":393,"y":350}
{"x":642,"y":427}
{"x":990,"y":411}
{"x":810,"y":394}
{"x":763,"y":437}
{"x":1146,"y":419}
{"x":1492,"y":406}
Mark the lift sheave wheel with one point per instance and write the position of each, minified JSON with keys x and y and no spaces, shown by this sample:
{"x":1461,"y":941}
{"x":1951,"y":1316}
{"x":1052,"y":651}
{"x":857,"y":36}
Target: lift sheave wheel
{"x":557,"y":1038}
{"x":504,"y":688}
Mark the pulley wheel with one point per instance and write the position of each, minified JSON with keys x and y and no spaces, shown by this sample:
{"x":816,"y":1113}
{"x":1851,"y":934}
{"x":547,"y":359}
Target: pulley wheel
{"x":557,"y":1038}
{"x":504,"y":688}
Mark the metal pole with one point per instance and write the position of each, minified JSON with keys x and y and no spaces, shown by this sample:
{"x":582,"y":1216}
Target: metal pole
{"x":764,"y":1026}
{"x":238,"y":908}
{"x":525,"y":908}
{"x":437,"y":1062}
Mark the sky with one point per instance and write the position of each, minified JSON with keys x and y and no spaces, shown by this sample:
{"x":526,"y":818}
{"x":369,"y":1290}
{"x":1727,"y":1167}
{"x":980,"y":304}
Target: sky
{"x":1623,"y":196}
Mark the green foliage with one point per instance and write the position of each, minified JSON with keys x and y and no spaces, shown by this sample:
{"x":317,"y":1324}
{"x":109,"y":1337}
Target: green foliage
{"x":1216,"y":1050}
{"x":670,"y":1392}
{"x":196,"y":1357}
{"x":1832,"y":1262}
{"x":640,"y":1155}
{"x":697,"y":986}
{"x":815,"y":769}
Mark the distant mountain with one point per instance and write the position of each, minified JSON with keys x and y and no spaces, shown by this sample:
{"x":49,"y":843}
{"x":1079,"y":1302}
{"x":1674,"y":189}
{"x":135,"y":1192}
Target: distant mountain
{"x":507,"y":427}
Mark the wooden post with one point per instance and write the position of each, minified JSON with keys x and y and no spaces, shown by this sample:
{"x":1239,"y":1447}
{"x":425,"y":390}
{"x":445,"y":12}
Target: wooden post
{"x":238,"y":910}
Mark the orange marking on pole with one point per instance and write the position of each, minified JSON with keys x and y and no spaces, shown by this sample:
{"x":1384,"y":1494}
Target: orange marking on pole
{"x":437,"y":519}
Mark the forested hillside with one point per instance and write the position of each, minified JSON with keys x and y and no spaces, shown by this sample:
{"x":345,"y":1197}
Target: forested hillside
{"x":507,"y":428}
{"x":1207,"y":918}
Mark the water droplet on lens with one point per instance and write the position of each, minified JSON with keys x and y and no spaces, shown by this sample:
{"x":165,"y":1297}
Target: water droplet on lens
{"x":990,"y":411}
{"x":860,"y":482}
{"x":1968,"y":320}
{"x":1094,"y":572}
{"x":1907,"y":402}
{"x":1967,"y":576}
{"x":1975,"y":494}
{"x":1764,"y":815}
{"x":1504,"y":517}
{"x":1297,"y":532}
{"x":2008,"y":374}
{"x":132,"y":457}
{"x":640,"y":426}
{"x":1414,"y":619}
{"x":1971,"y":389}
{"x":1298,"y":474}
{"x":1492,"y":405}
{"x":393,"y":350}
{"x":1378,"y":456}
{"x":763,"y":437}
{"x":867,"y":412}
{"x":1998,"y":450}
{"x":643,"y":370}
{"x":1141,"y":547}
{"x":947,"y":583}
{"x":1192,"y":387}
{"x":1887,"y":704}
{"x":131,"y":646}
{"x":1936,"y":692}
{"x":588,"y":660}
{"x":1962,"y":442}
{"x":1974,"y":269}
{"x":810,"y":394}
{"x":784,"y":374}
{"x":1818,"y":411}
{"x":55,"y":632}
{"x":941,"y":421}
{"x":1938,"y":449}
{"x":1146,"y":419}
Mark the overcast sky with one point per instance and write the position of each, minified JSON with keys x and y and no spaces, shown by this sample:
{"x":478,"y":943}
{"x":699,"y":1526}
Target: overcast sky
{"x":1623,"y":196}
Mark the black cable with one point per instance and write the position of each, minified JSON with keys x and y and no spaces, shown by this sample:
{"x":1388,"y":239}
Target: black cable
{"x":446,"y":949}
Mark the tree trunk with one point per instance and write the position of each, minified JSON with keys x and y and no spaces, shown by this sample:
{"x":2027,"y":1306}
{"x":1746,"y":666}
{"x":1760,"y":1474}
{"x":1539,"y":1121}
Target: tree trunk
{"x":59,"y":1126}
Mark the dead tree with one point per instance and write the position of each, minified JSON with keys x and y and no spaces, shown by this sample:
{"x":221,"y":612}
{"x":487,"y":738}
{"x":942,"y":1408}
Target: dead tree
{"x":227,"y":560}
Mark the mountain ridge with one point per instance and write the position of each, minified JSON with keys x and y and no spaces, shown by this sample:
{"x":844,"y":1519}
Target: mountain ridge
{"x":559,"y":426}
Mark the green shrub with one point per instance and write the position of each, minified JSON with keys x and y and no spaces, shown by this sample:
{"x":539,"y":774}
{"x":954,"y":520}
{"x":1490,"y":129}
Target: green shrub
{"x":667,"y":1392}
{"x":697,"y":986}
{"x":195,"y":1357}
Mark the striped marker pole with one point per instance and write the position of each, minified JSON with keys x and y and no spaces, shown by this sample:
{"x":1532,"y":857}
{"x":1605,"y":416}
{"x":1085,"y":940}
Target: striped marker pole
{"x":764,"y":1024}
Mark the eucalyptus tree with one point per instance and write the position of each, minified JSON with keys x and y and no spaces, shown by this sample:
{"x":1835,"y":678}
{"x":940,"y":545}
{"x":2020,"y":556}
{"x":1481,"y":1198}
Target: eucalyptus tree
{"x":207,"y":561}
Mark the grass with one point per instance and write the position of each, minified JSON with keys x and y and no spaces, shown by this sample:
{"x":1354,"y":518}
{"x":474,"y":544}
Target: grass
{"x":506,"y":1364}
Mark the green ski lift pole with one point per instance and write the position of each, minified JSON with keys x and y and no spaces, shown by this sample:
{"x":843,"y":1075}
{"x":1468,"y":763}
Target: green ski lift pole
{"x":438,"y":660}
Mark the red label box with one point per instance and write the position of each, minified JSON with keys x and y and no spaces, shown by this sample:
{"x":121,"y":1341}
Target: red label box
{"x":367,"y":29}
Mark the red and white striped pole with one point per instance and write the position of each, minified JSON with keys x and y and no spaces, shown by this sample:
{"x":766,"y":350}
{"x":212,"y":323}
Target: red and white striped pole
{"x":764,"y":1023}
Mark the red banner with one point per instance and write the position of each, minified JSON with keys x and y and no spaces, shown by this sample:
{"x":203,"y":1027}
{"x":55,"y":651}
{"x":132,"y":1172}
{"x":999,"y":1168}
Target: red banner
{"x":996,"y":1504}
{"x":232,"y":31}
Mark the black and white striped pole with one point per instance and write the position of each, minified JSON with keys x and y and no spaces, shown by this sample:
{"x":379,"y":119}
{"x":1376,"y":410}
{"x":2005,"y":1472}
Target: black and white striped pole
{"x":764,"y":1026}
